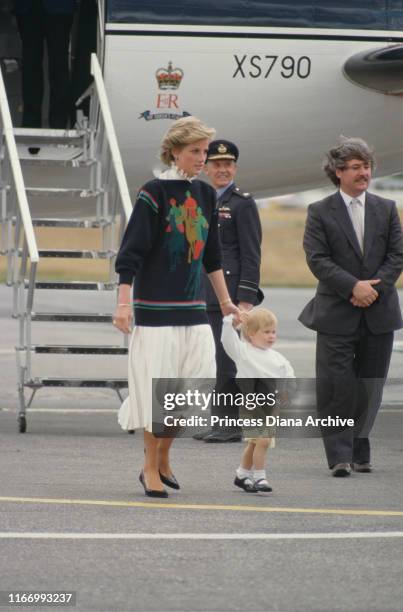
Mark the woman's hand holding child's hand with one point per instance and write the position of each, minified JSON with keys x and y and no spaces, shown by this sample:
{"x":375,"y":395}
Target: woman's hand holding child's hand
{"x":238,"y":321}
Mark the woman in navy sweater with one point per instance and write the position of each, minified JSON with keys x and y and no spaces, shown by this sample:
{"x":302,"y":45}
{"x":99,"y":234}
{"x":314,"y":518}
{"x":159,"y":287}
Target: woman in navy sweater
{"x":172,"y":234}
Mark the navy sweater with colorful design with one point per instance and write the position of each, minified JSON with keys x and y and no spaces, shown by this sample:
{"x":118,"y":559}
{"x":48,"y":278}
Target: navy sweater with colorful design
{"x":171,"y":235}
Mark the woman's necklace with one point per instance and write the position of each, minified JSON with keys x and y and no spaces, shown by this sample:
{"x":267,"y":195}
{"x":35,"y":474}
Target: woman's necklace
{"x":182,"y":173}
{"x":175,"y":173}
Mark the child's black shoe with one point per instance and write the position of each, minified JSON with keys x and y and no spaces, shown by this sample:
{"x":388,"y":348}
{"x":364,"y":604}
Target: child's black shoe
{"x":245,"y":483}
{"x":262,"y":485}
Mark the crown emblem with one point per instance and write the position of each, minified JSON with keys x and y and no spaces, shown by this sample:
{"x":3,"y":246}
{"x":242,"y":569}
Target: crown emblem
{"x":222,"y":148}
{"x":169,"y":78}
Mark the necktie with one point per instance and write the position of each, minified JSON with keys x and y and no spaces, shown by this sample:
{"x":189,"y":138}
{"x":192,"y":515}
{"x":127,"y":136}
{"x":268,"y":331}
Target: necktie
{"x":357,"y":217}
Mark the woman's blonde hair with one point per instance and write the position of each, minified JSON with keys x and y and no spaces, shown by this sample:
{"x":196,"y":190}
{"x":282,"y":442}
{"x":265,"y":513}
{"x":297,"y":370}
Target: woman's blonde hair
{"x":258,"y":318}
{"x":182,"y":132}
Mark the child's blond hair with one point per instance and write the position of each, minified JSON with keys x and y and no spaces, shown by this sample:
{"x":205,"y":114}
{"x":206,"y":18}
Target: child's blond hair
{"x":258,"y":318}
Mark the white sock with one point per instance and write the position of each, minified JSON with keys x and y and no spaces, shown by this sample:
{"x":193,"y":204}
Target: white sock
{"x":242,"y":473}
{"x":259,"y":474}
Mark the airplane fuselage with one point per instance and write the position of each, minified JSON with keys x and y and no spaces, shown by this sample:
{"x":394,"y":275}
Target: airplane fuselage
{"x":281,"y":93}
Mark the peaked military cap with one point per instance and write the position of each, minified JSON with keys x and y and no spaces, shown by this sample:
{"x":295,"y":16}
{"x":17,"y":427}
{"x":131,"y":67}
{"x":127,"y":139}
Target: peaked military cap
{"x":222,"y":149}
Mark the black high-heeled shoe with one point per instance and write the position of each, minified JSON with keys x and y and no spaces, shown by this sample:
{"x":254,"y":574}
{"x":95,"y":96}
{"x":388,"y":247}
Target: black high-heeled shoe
{"x":151,"y":492}
{"x":170,"y":481}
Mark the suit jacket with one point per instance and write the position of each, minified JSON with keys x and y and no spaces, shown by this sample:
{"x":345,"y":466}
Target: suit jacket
{"x":241,"y":236}
{"x":334,"y":257}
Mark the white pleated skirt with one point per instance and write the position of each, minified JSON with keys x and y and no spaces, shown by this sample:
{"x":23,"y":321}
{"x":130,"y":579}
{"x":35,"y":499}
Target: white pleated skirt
{"x":163,"y":352}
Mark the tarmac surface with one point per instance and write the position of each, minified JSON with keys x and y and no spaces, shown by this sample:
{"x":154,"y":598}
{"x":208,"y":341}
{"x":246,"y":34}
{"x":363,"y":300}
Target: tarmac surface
{"x":73,"y":516}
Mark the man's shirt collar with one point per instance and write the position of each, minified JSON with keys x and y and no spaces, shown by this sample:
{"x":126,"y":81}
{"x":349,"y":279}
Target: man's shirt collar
{"x":347,"y":198}
{"x":222,"y":190}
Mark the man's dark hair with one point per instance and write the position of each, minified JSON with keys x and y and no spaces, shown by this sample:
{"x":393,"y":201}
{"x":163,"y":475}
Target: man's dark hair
{"x":347,"y":149}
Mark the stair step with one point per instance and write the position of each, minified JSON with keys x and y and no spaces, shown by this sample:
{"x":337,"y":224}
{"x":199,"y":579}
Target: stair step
{"x":74,"y":285}
{"x":76,"y":254}
{"x":69,"y":253}
{"x":73,"y":317}
{"x":34,"y":135}
{"x":62,"y":192}
{"x":68,"y":349}
{"x":87,"y":223}
{"x":111,"y":383}
{"x":68,"y":163}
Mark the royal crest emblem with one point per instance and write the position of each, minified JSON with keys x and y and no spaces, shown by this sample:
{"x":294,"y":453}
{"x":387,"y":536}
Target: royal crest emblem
{"x":167,"y":104}
{"x":169,"y":78}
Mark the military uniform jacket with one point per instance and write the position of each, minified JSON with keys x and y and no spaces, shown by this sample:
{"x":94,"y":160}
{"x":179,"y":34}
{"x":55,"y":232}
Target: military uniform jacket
{"x":240,"y":234}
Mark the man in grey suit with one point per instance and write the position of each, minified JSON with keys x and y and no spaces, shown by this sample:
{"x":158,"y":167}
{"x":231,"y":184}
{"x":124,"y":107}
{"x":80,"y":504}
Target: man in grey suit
{"x":354,"y":246}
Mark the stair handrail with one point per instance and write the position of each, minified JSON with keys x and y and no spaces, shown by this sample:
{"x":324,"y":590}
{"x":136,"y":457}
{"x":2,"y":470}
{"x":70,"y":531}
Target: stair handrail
{"x":7,"y":128}
{"x":111,"y":136}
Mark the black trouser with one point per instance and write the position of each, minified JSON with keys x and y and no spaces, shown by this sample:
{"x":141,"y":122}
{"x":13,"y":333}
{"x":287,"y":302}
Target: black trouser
{"x":85,"y":44}
{"x":35,"y":27}
{"x":226,"y":369}
{"x":351,"y":372}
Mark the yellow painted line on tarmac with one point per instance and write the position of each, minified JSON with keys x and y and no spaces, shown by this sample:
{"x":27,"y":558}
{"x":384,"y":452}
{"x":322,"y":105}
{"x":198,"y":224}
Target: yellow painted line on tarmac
{"x":173,"y":506}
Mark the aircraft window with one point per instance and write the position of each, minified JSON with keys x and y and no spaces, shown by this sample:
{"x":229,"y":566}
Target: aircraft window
{"x":359,"y":14}
{"x":254,"y":12}
{"x":229,"y":12}
{"x":395,"y":14}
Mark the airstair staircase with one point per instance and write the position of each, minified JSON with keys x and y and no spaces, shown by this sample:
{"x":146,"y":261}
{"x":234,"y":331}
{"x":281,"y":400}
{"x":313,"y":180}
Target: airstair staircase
{"x":78,"y":175}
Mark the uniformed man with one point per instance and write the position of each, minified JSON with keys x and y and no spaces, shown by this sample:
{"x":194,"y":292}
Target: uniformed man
{"x":241,"y":235}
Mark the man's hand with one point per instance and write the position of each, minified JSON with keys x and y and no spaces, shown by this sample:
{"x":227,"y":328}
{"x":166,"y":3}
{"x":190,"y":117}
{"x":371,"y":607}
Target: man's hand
{"x":364,"y":294}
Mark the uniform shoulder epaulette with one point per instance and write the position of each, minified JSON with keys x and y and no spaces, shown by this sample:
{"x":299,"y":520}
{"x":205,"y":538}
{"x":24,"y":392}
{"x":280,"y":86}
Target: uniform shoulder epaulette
{"x":242,"y":194}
